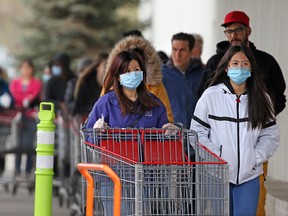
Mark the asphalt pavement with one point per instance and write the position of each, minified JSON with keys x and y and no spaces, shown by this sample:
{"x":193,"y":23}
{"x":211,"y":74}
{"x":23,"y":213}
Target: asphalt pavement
{"x":20,"y":202}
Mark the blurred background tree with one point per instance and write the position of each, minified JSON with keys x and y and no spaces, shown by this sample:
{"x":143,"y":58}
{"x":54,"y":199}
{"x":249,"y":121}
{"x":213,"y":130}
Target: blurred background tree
{"x":77,"y":27}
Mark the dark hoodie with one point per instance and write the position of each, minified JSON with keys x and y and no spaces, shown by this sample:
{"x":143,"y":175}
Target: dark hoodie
{"x":272,"y":72}
{"x":56,"y":86}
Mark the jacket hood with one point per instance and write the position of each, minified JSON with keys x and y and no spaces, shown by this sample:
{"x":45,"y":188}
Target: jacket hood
{"x":63,"y":58}
{"x":194,"y":63}
{"x":223,"y":46}
{"x":152,"y":60}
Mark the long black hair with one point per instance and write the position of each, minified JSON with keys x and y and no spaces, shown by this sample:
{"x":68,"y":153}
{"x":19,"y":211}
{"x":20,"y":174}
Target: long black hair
{"x":260,"y":105}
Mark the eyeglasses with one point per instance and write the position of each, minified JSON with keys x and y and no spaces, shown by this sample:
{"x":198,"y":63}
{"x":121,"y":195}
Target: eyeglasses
{"x":229,"y":32}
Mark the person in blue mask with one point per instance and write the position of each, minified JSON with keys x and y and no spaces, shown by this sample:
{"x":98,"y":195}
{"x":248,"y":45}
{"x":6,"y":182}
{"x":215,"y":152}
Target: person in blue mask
{"x":56,"y":85}
{"x":54,"y":92}
{"x":128,"y":103}
{"x":235,"y":119}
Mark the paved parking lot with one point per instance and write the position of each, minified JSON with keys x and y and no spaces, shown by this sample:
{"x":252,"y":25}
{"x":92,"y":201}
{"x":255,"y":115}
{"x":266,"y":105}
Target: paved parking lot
{"x":22,"y":203}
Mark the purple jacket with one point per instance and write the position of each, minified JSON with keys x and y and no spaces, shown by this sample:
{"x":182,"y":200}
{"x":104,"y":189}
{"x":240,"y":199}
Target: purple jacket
{"x":108,"y":105}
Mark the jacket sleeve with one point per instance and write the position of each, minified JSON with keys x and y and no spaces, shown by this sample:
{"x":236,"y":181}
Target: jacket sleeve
{"x":162,"y":116}
{"x":98,"y":110}
{"x":278,"y":86}
{"x":69,"y":96}
{"x":267,"y":144}
{"x":200,"y":125}
{"x":160,"y":92}
{"x":209,"y":69}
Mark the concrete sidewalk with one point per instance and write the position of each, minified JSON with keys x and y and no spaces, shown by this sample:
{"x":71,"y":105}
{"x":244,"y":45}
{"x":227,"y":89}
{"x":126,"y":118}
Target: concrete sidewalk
{"x":22,"y":204}
{"x":277,"y":198}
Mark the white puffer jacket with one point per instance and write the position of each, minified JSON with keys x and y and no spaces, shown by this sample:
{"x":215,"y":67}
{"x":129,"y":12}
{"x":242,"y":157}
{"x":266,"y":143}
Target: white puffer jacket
{"x":221,"y":119}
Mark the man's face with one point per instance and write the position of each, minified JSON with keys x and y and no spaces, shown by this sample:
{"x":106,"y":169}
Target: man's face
{"x":237,"y":34}
{"x":197,"y":50}
{"x":181,"y":54}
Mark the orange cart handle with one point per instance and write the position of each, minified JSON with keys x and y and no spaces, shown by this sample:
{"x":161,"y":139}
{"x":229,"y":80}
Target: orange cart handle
{"x":83,"y":168}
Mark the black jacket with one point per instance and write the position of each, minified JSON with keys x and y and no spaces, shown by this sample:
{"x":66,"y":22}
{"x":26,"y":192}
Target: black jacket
{"x":266,"y":62}
{"x":88,"y":94}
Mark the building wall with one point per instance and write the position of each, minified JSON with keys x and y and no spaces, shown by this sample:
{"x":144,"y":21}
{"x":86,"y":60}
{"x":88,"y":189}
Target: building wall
{"x":268,"y":20}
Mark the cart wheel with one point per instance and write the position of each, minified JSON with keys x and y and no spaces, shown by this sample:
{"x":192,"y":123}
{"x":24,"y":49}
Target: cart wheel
{"x":61,"y":200}
{"x":30,"y":188}
{"x":14,"y":189}
{"x":75,"y":210}
{"x":6,"y":187}
{"x":68,"y":203}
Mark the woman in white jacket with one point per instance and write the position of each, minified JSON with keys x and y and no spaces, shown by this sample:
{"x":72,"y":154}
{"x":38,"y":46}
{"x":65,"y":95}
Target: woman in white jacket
{"x":235,"y":119}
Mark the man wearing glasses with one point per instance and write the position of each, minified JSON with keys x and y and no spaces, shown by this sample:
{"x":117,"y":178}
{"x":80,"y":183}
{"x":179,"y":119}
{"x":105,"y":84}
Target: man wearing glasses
{"x":237,"y":31}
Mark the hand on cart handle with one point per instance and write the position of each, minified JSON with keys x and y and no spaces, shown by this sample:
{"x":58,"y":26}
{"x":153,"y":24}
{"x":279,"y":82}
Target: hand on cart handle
{"x":171,"y":129}
{"x":100,"y":124}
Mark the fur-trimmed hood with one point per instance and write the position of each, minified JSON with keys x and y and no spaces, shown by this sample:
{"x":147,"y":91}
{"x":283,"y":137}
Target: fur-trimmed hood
{"x":152,"y":60}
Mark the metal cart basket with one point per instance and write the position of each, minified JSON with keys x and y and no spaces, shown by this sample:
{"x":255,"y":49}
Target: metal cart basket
{"x":161,"y":172}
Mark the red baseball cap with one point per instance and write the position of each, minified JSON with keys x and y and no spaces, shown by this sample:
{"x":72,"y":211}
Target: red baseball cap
{"x":236,"y":17}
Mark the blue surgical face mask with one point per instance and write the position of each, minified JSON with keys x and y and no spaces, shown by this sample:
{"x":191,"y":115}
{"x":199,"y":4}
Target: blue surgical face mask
{"x":238,"y":75}
{"x":131,"y":80}
{"x":46,"y":77}
{"x":56,"y":70}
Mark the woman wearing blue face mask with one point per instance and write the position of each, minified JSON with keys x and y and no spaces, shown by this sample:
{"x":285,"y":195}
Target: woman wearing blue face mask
{"x":128,"y":104}
{"x":235,"y":119}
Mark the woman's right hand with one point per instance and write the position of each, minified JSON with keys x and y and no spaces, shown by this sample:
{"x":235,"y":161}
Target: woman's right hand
{"x":100,"y":124}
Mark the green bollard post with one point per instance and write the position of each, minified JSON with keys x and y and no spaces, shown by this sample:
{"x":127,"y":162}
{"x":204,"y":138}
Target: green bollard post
{"x":44,"y":160}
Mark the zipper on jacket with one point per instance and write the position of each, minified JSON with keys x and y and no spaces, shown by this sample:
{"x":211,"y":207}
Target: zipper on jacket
{"x":238,"y":138}
{"x":220,"y":150}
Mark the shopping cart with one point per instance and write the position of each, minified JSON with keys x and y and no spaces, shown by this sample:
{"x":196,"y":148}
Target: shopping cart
{"x":15,"y":130}
{"x":6,"y":117}
{"x":160,"y":173}
{"x":62,"y":160}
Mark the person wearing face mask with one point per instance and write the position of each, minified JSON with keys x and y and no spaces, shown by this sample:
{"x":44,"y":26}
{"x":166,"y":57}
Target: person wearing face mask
{"x":56,"y":85}
{"x":235,"y":119}
{"x":237,"y":30}
{"x":127,"y":104}
{"x":55,"y":92}
{"x":132,"y":40}
{"x":46,"y":76}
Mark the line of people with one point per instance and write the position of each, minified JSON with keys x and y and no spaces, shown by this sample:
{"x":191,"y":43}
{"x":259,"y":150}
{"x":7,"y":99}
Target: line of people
{"x":249,"y":100}
{"x":142,"y":84}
